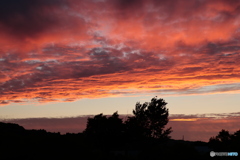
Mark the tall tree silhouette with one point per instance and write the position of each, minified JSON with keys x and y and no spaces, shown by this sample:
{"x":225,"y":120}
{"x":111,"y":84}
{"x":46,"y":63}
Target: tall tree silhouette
{"x":149,"y":120}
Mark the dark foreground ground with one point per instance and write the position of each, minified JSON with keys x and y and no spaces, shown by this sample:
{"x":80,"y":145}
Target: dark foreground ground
{"x":16,"y":143}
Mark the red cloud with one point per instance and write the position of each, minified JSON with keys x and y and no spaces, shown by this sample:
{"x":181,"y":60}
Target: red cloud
{"x":67,"y":49}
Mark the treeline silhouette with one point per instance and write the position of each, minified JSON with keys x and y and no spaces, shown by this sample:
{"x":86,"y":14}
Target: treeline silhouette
{"x":147,"y":123}
{"x":140,"y":137}
{"x":225,"y":141}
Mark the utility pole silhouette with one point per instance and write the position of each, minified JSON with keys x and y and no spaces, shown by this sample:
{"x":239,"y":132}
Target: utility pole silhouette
{"x":125,"y":118}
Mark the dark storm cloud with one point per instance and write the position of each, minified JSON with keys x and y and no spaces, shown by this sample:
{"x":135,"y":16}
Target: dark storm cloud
{"x":126,"y":6}
{"x":219,"y":48}
{"x":28,"y":18}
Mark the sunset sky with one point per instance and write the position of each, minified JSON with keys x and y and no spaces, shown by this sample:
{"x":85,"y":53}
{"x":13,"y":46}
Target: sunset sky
{"x":70,"y":58}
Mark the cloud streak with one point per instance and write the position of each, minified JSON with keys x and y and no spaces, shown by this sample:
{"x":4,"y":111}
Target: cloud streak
{"x":203,"y":126}
{"x":66,"y":50}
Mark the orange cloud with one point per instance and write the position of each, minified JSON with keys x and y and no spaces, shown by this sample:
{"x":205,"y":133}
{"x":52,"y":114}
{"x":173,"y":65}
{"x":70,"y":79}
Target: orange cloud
{"x":182,"y":119}
{"x":67,"y":50}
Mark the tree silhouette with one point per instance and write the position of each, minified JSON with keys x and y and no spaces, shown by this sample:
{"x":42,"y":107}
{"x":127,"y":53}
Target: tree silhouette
{"x":145,"y":127}
{"x":236,"y":136}
{"x":103,"y":128}
{"x":96,"y":125}
{"x":149,"y":120}
{"x":223,"y":136}
{"x":225,"y":141}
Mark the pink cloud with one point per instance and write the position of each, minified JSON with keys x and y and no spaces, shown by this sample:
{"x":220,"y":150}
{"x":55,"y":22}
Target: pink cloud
{"x":76,"y":49}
